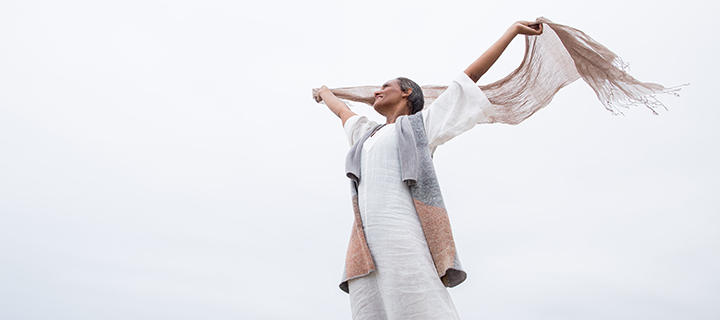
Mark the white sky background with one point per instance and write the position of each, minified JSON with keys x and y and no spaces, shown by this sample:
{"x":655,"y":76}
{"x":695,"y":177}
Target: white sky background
{"x":165,"y":160}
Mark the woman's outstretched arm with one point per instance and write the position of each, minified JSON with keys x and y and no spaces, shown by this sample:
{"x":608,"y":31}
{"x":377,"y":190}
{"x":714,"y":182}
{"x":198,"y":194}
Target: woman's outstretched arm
{"x":488,"y":58}
{"x":335,"y":105}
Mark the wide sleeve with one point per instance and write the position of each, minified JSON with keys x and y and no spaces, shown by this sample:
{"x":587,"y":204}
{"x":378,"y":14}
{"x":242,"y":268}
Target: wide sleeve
{"x":356,"y":126}
{"x":455,"y":111}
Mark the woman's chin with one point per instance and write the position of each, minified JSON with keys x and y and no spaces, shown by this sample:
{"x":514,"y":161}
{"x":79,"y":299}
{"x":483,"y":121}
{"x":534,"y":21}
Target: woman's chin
{"x":377,"y":107}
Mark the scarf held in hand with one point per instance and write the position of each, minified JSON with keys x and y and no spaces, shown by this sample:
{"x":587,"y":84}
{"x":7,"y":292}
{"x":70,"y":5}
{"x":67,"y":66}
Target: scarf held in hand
{"x":554,"y":59}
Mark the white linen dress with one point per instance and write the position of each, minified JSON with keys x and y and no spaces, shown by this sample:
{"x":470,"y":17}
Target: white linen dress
{"x":405,"y":283}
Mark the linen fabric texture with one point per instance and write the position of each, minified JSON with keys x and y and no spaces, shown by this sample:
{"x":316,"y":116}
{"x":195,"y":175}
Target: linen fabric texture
{"x":418,"y":173}
{"x":390,"y":182}
{"x":404,"y":283}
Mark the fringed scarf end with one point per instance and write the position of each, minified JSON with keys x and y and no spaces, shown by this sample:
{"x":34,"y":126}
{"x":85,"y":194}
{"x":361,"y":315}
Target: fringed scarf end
{"x":650,"y":100}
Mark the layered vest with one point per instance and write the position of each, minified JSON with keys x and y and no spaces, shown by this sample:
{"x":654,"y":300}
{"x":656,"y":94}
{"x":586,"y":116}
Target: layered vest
{"x":418,"y":173}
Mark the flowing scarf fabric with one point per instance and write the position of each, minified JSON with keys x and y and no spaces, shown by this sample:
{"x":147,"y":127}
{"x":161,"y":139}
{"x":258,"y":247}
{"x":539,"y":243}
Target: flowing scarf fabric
{"x":554,"y":59}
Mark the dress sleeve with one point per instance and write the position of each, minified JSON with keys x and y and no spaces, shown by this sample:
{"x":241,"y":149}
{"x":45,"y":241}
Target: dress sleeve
{"x":455,"y":111}
{"x":356,"y":126}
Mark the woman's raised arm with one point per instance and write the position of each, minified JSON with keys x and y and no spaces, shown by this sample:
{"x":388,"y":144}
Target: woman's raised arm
{"x":335,"y":105}
{"x":488,"y":58}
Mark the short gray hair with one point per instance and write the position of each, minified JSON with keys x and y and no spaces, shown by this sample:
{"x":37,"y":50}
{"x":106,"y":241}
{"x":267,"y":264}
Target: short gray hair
{"x":416,"y":100}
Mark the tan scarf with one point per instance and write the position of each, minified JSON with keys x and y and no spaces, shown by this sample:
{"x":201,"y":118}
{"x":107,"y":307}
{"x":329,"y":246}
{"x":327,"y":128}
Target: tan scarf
{"x":554,"y":59}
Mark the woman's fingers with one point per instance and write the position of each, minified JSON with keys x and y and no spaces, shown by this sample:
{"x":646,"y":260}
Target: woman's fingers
{"x":317,"y":93}
{"x":529,"y":28}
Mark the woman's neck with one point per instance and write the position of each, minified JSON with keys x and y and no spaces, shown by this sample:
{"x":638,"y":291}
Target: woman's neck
{"x":397,"y":112}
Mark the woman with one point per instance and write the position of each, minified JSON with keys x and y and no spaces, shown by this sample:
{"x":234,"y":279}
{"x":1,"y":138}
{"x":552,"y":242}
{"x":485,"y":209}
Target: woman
{"x":402,"y":255}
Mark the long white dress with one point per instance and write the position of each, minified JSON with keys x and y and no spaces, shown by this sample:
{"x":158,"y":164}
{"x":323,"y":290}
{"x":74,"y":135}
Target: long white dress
{"x":405,"y":283}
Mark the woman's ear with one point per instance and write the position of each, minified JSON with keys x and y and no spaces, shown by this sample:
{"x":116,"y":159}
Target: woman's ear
{"x":407,"y":93}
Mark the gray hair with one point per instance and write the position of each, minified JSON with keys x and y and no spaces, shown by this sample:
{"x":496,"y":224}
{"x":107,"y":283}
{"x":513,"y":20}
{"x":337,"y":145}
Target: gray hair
{"x":416,"y":100}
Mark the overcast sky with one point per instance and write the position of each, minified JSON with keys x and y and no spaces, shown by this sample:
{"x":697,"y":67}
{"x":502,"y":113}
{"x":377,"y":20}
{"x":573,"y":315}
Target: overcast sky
{"x":165,"y":160}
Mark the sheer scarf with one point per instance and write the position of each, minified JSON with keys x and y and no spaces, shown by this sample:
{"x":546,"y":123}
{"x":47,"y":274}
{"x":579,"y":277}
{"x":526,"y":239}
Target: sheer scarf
{"x":554,"y":59}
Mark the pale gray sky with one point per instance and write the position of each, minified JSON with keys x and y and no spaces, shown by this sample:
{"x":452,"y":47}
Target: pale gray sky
{"x":165,"y":160}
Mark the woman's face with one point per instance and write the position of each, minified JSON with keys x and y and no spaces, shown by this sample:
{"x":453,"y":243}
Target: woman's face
{"x":389,"y":95}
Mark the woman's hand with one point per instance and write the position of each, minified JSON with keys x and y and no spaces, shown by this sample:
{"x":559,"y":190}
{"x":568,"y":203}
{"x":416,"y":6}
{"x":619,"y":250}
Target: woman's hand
{"x":527,"y":28}
{"x":317,"y":93}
